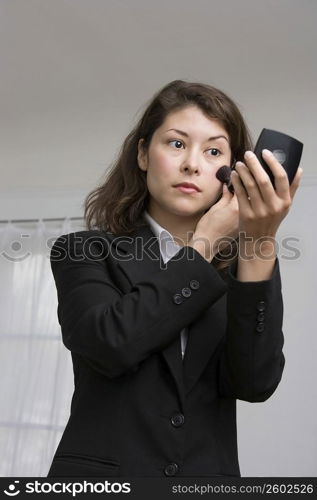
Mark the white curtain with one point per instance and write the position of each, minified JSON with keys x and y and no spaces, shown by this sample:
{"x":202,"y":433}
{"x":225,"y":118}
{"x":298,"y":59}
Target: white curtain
{"x":36,"y":379}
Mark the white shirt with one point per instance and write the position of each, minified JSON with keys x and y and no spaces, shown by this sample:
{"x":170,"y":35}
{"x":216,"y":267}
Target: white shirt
{"x":168,"y":248}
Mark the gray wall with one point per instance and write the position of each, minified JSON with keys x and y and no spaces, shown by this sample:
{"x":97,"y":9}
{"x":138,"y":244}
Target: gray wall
{"x":76,"y":74}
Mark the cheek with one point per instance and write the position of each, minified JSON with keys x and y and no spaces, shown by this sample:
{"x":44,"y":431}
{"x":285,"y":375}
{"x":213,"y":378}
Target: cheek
{"x":211,"y":183}
{"x":213,"y":192}
{"x":165,"y":162}
{"x":162,"y":167}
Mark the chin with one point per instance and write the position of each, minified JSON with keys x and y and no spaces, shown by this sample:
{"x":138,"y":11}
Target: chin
{"x":186,"y":211}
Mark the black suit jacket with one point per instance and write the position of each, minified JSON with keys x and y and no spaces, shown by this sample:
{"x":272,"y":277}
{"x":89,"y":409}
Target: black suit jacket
{"x":138,"y":409}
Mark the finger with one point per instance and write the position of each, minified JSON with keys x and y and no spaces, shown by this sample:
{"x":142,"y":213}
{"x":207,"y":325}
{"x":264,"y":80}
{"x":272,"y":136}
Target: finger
{"x":280,"y":176}
{"x":261,"y":177}
{"x":234,"y":201}
{"x":225,"y":190}
{"x":295,"y":182}
{"x":242,"y":197}
{"x":226,"y":195}
{"x":252,"y":189}
{"x":220,"y":200}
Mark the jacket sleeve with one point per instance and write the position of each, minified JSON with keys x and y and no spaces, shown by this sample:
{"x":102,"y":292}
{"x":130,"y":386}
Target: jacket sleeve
{"x":114,"y":331}
{"x":251,"y":361}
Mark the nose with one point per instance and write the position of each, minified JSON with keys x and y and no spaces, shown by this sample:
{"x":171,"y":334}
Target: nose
{"x":191,"y":163}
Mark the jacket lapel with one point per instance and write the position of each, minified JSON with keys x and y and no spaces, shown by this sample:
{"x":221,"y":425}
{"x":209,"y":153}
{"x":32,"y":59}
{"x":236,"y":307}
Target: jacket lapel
{"x":201,"y":341}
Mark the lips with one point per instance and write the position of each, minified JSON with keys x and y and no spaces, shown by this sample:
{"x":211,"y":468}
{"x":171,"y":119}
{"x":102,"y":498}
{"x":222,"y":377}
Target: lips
{"x":188,"y":186}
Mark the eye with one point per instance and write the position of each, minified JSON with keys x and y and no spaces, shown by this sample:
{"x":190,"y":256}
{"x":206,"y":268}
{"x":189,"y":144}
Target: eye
{"x":176,"y":140}
{"x":214,"y":151}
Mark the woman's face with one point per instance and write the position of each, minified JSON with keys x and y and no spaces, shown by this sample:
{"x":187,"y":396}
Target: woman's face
{"x":191,"y":154}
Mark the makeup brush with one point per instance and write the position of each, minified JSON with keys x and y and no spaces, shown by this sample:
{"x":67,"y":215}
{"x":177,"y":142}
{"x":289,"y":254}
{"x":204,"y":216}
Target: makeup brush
{"x":223,"y":175}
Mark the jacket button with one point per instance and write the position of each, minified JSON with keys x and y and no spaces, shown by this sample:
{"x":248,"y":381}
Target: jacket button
{"x":261,"y":306}
{"x":260,"y":316}
{"x":260,"y":327}
{"x":178,"y":299}
{"x":178,"y":420}
{"x":194,"y":284}
{"x":186,"y":292}
{"x":171,"y":469}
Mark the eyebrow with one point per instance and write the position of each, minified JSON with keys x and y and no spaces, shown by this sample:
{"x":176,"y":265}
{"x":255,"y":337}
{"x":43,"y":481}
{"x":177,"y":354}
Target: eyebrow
{"x":186,"y":135}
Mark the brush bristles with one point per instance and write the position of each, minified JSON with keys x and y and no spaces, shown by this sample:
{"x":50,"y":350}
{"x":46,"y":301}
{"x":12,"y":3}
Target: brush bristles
{"x":223,"y":175}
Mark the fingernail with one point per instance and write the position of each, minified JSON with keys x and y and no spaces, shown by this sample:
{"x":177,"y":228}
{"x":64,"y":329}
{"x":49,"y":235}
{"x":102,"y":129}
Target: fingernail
{"x":248,"y":154}
{"x":267,"y":152}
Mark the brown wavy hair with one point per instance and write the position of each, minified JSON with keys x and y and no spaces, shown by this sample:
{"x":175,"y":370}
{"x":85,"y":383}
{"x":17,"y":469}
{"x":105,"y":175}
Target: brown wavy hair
{"x":117,"y":204}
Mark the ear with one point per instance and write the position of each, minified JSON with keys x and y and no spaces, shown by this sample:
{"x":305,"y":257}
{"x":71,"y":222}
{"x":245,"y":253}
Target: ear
{"x":142,"y":158}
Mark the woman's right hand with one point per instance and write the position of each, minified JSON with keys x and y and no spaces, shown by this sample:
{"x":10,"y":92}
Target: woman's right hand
{"x":220,"y":221}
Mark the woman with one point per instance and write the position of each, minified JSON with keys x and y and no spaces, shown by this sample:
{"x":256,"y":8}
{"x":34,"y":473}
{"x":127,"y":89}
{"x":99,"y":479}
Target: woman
{"x":171,"y":303}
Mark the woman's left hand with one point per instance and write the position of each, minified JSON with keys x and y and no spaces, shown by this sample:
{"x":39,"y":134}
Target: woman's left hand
{"x":261,"y":215}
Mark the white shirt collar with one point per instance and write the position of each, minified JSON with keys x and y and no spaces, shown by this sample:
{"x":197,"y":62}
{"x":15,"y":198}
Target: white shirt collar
{"x":168,"y":247}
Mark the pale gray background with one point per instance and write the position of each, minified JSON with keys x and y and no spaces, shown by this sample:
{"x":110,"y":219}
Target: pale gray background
{"x":75,"y":76}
